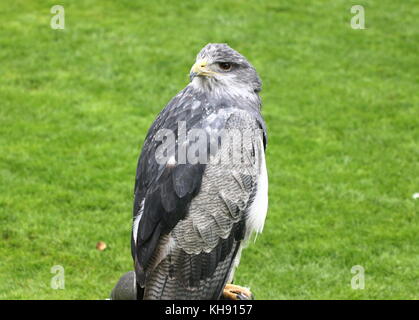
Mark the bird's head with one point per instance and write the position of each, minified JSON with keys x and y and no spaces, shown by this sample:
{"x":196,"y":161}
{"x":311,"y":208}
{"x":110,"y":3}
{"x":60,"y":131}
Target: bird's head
{"x":219,"y":67}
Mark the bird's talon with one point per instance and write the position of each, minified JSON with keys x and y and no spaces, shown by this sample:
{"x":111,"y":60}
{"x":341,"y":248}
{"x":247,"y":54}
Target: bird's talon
{"x":233,"y":292}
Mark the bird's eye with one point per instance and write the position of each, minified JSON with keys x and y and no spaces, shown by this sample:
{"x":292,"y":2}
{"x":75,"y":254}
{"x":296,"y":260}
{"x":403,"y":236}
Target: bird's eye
{"x":226,"y":66}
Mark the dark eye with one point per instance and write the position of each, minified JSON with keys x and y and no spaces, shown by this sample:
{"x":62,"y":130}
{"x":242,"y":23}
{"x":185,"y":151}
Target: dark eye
{"x":226,"y":66}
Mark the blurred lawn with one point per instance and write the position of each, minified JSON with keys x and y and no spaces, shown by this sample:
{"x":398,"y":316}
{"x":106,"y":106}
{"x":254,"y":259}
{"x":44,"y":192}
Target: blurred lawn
{"x":341,"y":105}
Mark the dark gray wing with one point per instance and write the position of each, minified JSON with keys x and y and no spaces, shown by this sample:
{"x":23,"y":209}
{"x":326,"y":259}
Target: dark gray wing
{"x":162,"y":193}
{"x":163,"y":198}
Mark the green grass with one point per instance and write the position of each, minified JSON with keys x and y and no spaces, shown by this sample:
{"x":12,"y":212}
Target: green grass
{"x":341,"y":105}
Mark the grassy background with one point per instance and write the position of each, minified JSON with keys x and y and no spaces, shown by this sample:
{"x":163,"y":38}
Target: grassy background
{"x":341,"y":105}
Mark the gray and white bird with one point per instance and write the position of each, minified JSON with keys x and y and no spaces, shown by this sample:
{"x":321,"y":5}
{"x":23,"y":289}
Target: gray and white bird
{"x":192,"y":218}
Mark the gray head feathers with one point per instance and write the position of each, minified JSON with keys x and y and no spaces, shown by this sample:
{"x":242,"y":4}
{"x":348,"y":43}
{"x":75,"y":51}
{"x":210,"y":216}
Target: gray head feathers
{"x":220,"y":67}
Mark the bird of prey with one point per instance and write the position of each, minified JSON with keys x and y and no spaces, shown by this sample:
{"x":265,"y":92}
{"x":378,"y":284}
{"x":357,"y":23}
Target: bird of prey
{"x":193,"y":214}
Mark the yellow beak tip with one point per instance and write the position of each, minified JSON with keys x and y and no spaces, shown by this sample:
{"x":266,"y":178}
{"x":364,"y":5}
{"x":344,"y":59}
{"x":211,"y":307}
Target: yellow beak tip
{"x":200,"y":67}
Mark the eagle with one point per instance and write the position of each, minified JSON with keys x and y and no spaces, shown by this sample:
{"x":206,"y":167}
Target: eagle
{"x":201,"y":186}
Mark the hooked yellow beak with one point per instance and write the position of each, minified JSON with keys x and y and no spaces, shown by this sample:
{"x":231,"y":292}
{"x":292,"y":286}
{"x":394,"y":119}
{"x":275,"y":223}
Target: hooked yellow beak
{"x":200,"y":68}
